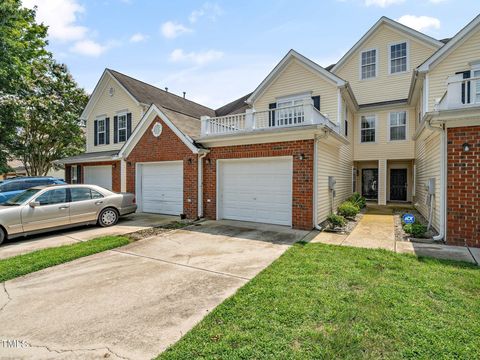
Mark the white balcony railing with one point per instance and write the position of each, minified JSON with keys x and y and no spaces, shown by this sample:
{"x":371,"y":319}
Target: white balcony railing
{"x":298,"y":115}
{"x":461,"y":93}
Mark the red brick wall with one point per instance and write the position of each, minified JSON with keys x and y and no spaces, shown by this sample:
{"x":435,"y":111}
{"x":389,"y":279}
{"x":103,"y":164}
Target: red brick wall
{"x":302,"y":201}
{"x":167,"y":147}
{"x":115,"y":172}
{"x":463,"y":195}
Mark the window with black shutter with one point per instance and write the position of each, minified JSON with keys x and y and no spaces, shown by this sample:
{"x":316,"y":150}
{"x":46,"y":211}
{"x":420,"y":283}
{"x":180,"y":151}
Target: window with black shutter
{"x":465,"y":89}
{"x":271,"y":114}
{"x":316,"y":102}
{"x":129,"y":125}
{"x":107,"y":131}
{"x":115,"y":129}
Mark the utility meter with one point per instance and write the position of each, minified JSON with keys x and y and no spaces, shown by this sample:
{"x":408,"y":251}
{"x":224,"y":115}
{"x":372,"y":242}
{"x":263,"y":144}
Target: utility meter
{"x":331,"y":182}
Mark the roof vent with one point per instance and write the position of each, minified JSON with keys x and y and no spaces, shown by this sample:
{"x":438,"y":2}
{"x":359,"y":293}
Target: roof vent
{"x":166,"y":89}
{"x":184,"y":93}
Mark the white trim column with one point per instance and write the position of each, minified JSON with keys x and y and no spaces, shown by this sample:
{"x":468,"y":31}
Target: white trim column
{"x":382,"y":182}
{"x":123,"y":175}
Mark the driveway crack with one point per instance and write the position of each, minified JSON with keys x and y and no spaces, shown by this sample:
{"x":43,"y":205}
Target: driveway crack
{"x":61,"y":351}
{"x":9,"y":298}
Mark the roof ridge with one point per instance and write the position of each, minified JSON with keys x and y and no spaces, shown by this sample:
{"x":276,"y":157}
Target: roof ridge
{"x":166,"y":92}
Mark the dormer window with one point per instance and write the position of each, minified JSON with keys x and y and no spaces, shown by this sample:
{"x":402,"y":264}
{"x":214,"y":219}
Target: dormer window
{"x":398,"y":58}
{"x":368,"y":64}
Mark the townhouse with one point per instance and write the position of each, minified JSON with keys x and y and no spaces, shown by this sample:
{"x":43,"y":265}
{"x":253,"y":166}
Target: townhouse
{"x":396,"y":119}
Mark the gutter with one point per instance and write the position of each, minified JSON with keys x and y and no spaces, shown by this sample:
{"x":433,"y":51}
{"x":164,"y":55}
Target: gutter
{"x":443,"y":181}
{"x":315,"y":176}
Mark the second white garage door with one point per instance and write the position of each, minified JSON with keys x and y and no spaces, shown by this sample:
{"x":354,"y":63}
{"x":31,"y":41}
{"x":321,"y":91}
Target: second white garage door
{"x":98,"y":175}
{"x":258,"y":190}
{"x":161,"y":187}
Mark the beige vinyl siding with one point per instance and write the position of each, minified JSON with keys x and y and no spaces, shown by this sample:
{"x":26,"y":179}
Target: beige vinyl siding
{"x":295,"y":79}
{"x":427,"y":164}
{"x":110,"y":106}
{"x":334,"y":161}
{"x":457,"y":60}
{"x":384,"y":86}
{"x":383,"y":148}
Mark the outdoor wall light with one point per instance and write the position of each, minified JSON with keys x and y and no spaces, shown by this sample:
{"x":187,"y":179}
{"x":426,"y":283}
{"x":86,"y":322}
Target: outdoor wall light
{"x":208,"y":161}
{"x":129,"y":163}
{"x":190,"y":161}
{"x":301,"y":157}
{"x":466,"y":147}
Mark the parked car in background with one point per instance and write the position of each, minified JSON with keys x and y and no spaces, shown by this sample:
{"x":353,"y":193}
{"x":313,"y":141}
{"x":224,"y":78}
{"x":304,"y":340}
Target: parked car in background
{"x":14,"y":186}
{"x":45,"y":208}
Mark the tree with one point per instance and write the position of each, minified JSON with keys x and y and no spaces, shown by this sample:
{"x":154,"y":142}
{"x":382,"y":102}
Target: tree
{"x":49,"y":129}
{"x":22,"y":45}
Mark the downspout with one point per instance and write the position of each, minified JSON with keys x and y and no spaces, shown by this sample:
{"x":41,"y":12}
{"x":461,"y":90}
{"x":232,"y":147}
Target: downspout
{"x":315,"y":177}
{"x":443,"y":181}
{"x":201,"y":155}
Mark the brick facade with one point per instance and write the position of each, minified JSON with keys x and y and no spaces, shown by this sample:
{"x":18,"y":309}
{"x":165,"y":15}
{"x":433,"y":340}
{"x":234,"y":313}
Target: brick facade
{"x":116,"y":185}
{"x":167,"y":147}
{"x":302,"y":195}
{"x":463,"y":195}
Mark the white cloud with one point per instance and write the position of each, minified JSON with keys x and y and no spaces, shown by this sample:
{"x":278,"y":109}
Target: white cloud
{"x":198,"y":58}
{"x":171,"y":29}
{"x":382,"y":3}
{"x":61,"y":17}
{"x":138,"y":37}
{"x":420,"y":23}
{"x":208,"y":9}
{"x":88,"y":48}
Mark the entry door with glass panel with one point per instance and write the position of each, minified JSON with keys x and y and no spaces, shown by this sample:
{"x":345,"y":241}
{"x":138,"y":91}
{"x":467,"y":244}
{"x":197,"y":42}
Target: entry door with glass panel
{"x":398,"y":184}
{"x":289,"y":112}
{"x":476,"y":74}
{"x":370,"y":184}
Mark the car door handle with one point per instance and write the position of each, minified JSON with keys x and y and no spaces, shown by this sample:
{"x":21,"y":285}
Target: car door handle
{"x":63,"y":207}
{"x":99,"y":202}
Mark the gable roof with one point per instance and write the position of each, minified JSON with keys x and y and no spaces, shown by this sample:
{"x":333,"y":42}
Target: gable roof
{"x":235,"y":107}
{"x":148,"y":94}
{"x":292,"y":54}
{"x":394,"y":24}
{"x":450,"y":45}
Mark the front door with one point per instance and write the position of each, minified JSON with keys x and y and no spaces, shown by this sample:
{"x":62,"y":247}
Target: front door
{"x":398,"y":184}
{"x":370,"y":184}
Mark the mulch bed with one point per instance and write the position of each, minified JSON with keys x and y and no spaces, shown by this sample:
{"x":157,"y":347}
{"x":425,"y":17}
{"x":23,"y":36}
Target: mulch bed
{"x":401,"y":235}
{"x":158,"y":230}
{"x":348,"y":228}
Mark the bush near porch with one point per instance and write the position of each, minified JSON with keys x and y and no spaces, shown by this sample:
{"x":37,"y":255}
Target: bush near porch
{"x":325,"y":302}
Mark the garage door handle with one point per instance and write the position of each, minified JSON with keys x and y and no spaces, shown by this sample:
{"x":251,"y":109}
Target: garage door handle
{"x":98,"y":202}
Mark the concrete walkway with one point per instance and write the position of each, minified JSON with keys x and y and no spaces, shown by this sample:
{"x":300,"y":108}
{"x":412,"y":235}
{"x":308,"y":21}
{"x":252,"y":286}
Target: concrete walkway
{"x":376,"y":230}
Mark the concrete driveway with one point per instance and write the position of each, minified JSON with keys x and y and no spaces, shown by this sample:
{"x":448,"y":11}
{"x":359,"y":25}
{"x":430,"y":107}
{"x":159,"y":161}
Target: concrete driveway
{"x":133,"y":302}
{"x":125,"y":225}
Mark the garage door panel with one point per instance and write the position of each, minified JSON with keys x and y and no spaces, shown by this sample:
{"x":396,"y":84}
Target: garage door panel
{"x":257,"y":190}
{"x":98,"y":175}
{"x":162,"y":188}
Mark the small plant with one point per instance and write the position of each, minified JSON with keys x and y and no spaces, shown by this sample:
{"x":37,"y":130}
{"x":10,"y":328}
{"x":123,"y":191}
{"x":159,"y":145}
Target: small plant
{"x":348,"y":209}
{"x":416,"y":229}
{"x":336,"y":221}
{"x":358,"y":200}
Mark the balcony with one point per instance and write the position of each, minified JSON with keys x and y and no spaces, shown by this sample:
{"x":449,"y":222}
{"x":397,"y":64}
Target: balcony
{"x":461,"y":93}
{"x":285,"y":117}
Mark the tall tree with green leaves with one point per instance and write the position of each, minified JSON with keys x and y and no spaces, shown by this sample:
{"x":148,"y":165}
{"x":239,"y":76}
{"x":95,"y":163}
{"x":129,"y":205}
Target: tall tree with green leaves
{"x":22,"y":45}
{"x":50,"y":127}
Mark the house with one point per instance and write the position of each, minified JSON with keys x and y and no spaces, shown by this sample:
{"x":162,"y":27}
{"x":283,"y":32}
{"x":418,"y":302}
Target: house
{"x":18,"y":169}
{"x":396,"y":119}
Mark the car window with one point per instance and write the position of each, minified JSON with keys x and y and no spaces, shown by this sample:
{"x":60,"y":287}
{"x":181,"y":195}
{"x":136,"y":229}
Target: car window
{"x":23,"y":196}
{"x":55,"y":196}
{"x":96,"y":195}
{"x":80,"y":194}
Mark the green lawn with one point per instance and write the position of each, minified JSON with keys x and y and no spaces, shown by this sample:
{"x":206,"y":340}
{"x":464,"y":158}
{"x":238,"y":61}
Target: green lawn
{"x":24,"y":264}
{"x":324,"y":302}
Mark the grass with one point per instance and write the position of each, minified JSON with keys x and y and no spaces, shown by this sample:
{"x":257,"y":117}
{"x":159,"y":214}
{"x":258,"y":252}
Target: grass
{"x":24,"y":264}
{"x":324,"y":302}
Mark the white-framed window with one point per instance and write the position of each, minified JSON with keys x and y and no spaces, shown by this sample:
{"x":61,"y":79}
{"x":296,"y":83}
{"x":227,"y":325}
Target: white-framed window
{"x":476,"y":84}
{"x":122,"y":128}
{"x":368,"y":64}
{"x":290,"y":109}
{"x":73,"y":174}
{"x":101,"y":131}
{"x":398,"y":58}
{"x":397,"y":126}
{"x":368,"y":128}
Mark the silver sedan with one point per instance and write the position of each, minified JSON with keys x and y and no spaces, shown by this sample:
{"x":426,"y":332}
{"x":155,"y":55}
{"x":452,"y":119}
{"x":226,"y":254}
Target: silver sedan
{"x":46,"y":208}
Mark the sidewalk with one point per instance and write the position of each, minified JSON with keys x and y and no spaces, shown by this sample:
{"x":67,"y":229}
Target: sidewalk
{"x":376,"y":231}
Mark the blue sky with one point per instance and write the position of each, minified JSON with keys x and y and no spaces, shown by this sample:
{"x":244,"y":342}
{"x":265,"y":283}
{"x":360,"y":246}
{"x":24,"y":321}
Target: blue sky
{"x":217,"y":51}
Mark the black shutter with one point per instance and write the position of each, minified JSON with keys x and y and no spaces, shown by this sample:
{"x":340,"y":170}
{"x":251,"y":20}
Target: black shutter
{"x":465,"y":94}
{"x":79,"y":174}
{"x":316,"y":102}
{"x":129,"y":125}
{"x":115,"y":129}
{"x":107,"y":131}
{"x":271,"y":114}
{"x":95,"y":133}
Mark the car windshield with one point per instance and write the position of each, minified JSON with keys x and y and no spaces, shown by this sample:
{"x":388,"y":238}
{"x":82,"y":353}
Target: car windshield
{"x":21,"y":198}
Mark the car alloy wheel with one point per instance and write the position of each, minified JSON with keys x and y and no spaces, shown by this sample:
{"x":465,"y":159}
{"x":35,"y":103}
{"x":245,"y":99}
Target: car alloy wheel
{"x":108,"y":217}
{"x":2,"y":235}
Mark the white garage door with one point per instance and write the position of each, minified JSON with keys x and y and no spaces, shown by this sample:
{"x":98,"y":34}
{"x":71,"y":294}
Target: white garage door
{"x":257,"y":190}
{"x":98,"y":175}
{"x":162,"y":187}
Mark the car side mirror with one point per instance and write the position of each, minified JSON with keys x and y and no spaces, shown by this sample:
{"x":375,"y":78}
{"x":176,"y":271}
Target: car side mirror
{"x":34,"y":204}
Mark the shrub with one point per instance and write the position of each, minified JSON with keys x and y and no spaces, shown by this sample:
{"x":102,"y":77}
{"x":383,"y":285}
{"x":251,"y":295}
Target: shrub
{"x":358,"y":200}
{"x":347,"y":209}
{"x":336,"y":220}
{"x":416,"y":229}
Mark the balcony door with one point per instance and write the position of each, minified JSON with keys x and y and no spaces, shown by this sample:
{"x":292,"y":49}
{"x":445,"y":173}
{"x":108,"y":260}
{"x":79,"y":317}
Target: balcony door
{"x":370,"y":184}
{"x":290,"y":112}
